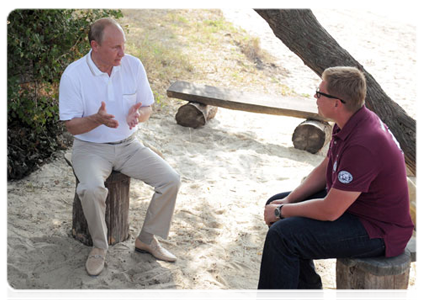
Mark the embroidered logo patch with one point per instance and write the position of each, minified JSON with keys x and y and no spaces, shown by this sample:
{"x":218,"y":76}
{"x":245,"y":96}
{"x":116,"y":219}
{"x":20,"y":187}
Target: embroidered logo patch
{"x":345,"y":177}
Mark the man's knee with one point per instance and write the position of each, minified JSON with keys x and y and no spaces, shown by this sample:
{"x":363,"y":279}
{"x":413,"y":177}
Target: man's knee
{"x":280,"y":236}
{"x":275,"y":235}
{"x":168,"y":183}
{"x":92,"y":191}
{"x":174,"y":180}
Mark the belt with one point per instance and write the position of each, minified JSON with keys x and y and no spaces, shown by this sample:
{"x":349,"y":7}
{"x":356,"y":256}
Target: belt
{"x":122,"y":141}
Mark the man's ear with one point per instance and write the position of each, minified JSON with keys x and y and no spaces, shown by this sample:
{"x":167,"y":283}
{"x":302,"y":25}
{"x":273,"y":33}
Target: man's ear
{"x":94,"y":45}
{"x":337,"y":102}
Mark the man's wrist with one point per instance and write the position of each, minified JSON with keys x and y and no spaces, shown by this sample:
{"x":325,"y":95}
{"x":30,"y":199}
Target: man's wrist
{"x":278,"y":212}
{"x":96,"y":119}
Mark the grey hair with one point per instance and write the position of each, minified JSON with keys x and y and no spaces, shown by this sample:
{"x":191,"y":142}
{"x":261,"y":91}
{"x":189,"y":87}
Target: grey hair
{"x":96,"y":32}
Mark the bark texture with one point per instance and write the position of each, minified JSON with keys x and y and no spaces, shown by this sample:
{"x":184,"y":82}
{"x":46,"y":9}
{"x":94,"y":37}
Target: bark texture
{"x":300,"y":31}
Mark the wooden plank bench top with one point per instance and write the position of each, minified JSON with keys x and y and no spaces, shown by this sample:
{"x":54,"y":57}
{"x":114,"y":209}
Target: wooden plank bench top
{"x":245,"y":101}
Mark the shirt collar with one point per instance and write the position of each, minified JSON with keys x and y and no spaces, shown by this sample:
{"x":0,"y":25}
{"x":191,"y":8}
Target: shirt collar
{"x":352,"y":123}
{"x":94,"y":69}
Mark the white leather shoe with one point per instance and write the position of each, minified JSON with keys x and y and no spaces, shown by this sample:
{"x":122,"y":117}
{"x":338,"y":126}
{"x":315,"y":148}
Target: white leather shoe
{"x":154,"y":249}
{"x":95,"y":261}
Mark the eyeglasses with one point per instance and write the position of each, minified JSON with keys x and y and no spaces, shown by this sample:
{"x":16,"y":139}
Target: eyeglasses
{"x":319,"y":93}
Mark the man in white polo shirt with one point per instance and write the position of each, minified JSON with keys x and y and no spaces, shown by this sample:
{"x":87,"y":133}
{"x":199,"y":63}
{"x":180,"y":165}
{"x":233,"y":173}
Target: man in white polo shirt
{"x":103,"y":96}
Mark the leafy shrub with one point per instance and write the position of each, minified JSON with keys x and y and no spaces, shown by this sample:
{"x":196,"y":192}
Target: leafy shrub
{"x":40,"y":45}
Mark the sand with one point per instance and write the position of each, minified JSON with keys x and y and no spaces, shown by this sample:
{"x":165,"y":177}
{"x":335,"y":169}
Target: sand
{"x":228,"y":169}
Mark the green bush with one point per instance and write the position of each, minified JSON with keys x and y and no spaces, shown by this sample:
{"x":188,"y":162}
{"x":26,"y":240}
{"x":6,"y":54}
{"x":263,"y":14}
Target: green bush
{"x":40,"y":45}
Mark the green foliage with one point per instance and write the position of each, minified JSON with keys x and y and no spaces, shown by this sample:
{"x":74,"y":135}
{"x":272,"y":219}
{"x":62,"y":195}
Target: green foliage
{"x":40,"y":45}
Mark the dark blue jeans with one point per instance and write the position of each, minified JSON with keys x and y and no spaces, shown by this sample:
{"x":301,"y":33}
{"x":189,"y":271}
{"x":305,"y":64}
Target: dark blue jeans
{"x":292,"y":244}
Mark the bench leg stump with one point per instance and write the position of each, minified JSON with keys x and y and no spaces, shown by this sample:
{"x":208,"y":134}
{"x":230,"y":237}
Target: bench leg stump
{"x":312,"y":135}
{"x":195,"y":115}
{"x":117,"y":212}
{"x":353,"y":283}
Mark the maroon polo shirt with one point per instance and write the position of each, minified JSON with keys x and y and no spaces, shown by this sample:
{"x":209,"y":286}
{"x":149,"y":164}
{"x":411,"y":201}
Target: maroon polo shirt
{"x":365,"y":157}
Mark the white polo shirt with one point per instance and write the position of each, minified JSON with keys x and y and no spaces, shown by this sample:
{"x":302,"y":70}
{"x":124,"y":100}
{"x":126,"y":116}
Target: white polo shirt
{"x":83,"y":87}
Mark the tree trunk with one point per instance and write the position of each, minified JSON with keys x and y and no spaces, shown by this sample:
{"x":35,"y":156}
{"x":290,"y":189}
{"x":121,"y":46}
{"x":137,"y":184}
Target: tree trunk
{"x":300,"y":31}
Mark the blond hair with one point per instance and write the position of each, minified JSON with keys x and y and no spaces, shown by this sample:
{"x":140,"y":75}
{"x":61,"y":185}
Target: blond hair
{"x":347,"y":83}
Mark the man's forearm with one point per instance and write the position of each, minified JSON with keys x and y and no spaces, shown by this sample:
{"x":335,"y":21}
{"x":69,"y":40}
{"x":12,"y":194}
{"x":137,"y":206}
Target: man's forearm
{"x":329,"y":208}
{"x":86,"y":124}
{"x":314,"y":183}
{"x":82,"y":125}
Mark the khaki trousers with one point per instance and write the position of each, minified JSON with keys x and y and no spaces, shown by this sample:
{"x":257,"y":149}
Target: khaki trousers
{"x":94,"y":162}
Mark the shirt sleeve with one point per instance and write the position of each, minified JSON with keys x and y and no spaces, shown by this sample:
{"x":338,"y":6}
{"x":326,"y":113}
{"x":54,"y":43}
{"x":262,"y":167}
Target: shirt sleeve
{"x":70,"y":102}
{"x":356,"y":170}
{"x":145,"y":94}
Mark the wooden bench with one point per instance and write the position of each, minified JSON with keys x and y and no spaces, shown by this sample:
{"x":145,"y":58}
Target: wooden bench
{"x":117,"y":210}
{"x":376,"y":272}
{"x":311,"y":135}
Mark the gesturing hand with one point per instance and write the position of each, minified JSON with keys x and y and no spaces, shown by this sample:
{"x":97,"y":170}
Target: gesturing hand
{"x":133,"y":115}
{"x":106,"y":119}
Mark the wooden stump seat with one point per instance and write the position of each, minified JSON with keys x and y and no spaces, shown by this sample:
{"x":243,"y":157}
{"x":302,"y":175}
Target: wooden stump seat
{"x":203,"y":101}
{"x":376,"y":272}
{"x":117,"y":210}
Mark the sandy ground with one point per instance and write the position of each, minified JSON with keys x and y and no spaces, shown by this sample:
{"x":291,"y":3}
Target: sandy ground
{"x":228,"y":168}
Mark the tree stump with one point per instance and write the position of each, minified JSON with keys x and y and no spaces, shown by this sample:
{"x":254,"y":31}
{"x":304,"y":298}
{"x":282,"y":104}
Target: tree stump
{"x":117,"y":210}
{"x":312,"y":135}
{"x":195,"y":115}
{"x":373,"y":273}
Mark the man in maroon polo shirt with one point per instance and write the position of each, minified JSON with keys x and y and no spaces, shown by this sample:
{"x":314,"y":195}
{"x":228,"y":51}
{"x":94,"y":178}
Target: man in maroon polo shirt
{"x":354,"y":204}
